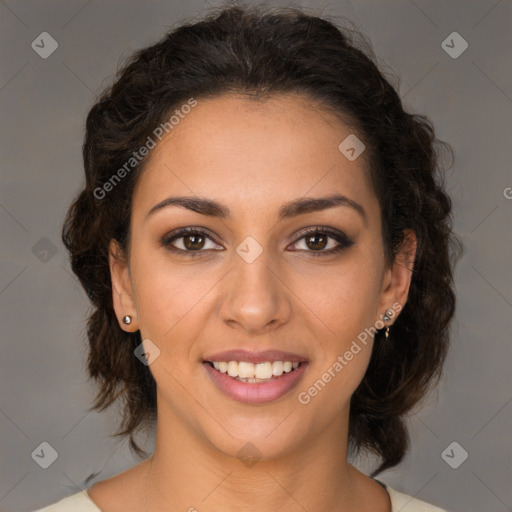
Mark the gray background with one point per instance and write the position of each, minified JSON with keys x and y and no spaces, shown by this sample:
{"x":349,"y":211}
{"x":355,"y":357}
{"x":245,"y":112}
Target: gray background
{"x":44,"y":388}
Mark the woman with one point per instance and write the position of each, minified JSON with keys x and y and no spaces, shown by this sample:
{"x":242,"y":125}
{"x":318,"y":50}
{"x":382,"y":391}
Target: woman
{"x":267,"y":244}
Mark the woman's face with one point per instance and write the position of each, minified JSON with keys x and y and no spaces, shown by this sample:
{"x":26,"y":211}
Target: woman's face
{"x":252,"y":277}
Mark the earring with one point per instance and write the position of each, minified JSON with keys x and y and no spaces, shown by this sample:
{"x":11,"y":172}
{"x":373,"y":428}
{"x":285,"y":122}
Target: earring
{"x":387,"y":318}
{"x":127,"y":319}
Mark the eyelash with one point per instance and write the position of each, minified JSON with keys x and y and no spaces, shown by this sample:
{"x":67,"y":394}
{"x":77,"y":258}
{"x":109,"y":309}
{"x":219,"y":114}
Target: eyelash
{"x":343,"y":240}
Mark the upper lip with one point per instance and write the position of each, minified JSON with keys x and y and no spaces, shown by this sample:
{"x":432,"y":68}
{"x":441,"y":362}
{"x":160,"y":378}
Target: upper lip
{"x":255,"y":357}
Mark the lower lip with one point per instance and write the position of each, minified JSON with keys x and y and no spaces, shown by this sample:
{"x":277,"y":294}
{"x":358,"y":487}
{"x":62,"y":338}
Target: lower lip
{"x":258,"y":393}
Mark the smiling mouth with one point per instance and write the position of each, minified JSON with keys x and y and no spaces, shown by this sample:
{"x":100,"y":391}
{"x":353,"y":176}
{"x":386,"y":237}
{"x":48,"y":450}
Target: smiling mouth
{"x":243,"y":371}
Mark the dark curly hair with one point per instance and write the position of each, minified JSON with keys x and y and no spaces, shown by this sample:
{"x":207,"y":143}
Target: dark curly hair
{"x":261,"y":53}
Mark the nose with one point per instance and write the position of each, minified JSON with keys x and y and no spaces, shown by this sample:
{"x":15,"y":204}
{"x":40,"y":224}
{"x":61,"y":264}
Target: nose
{"x":255,"y":298}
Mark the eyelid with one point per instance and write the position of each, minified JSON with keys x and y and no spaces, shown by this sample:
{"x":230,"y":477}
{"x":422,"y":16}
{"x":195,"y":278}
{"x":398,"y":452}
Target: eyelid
{"x":189,"y":230}
{"x":316,"y":228}
{"x":343,"y":241}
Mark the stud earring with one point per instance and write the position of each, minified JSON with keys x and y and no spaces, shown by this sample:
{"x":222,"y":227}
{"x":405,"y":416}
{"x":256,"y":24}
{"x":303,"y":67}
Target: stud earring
{"x":127,"y":319}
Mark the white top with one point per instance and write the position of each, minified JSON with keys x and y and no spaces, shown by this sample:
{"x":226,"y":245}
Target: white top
{"x":80,"y":502}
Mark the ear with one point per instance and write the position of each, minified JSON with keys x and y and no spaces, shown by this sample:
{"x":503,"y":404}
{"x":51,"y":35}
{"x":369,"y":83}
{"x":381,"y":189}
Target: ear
{"x":397,"y":278}
{"x":122,"y":290}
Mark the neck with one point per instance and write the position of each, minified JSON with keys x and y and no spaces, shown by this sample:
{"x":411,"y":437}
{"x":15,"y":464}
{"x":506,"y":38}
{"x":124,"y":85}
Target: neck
{"x":188,"y":473}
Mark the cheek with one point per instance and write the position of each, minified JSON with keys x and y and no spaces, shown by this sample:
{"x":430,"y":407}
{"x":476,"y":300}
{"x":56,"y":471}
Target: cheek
{"x":167,"y":294}
{"x":343,"y":306}
{"x":340,"y":362}
{"x":345,"y":297}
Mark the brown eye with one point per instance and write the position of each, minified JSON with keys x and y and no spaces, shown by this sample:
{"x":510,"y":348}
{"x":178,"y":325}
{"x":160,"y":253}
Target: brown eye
{"x":323,"y":242}
{"x":189,"y":242}
{"x":317,"y":241}
{"x":193,"y":242}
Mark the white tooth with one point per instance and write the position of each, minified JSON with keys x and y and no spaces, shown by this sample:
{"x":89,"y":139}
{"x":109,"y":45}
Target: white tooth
{"x":252,"y":381}
{"x":277,"y":368}
{"x":249,"y":372}
{"x":245,"y":370}
{"x":233,"y":369}
{"x":263,"y":370}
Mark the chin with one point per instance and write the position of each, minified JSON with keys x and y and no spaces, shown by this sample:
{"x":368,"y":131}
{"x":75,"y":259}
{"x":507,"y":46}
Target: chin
{"x":256,"y":438}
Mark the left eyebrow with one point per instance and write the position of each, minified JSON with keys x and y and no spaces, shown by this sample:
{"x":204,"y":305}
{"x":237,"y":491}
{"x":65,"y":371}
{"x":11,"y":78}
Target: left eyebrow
{"x":288,"y":210}
{"x":314,"y":204}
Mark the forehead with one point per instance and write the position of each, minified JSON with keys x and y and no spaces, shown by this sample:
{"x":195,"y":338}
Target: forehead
{"x":238,"y":148}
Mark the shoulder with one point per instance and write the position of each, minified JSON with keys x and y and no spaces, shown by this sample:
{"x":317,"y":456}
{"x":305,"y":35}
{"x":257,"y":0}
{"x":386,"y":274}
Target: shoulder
{"x":79,"y":502}
{"x":405,"y":503}
{"x":119,"y":493}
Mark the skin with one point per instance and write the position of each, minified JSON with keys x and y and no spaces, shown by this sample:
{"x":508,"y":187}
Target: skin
{"x":252,"y":156}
